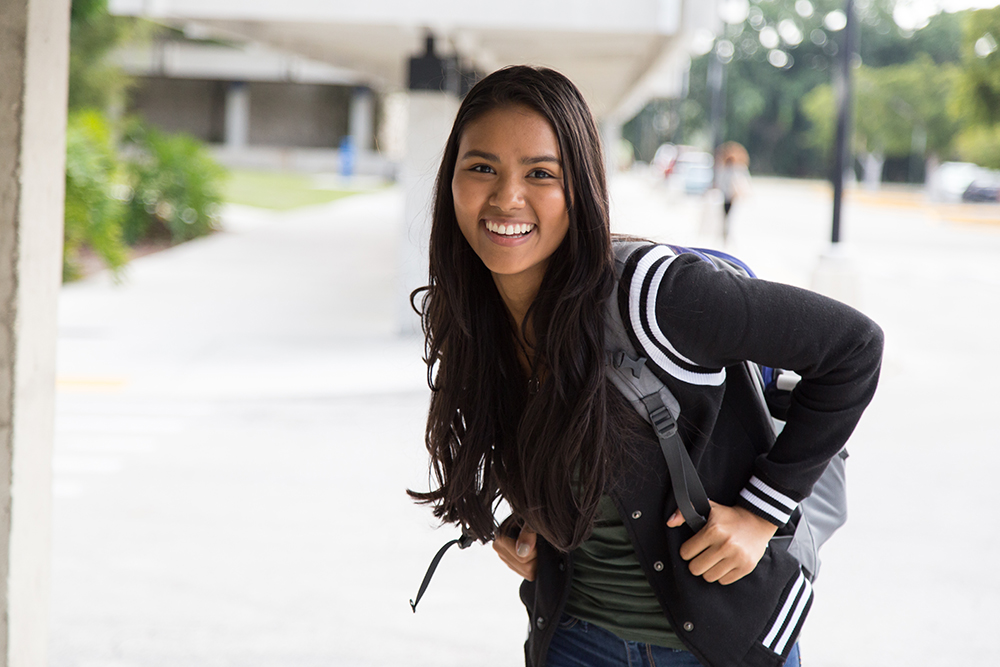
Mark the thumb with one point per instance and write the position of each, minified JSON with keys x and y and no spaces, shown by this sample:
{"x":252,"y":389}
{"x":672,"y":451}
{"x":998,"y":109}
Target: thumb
{"x":677,"y":519}
{"x":526,"y":542}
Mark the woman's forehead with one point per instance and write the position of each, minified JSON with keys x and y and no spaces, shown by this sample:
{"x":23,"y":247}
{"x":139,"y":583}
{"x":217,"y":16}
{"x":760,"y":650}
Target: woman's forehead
{"x":514,"y":129}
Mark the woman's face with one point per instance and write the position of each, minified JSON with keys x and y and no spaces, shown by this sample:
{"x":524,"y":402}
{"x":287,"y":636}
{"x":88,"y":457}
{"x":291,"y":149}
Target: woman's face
{"x":508,"y":191}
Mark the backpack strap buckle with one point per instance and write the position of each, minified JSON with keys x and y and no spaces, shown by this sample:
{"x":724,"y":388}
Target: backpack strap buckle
{"x":663,"y":422}
{"x":620,"y":359}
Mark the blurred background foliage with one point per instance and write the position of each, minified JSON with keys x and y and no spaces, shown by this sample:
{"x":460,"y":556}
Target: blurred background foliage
{"x":93,"y":170}
{"x":127,"y":184}
{"x":923,"y":95}
{"x":927,"y":94}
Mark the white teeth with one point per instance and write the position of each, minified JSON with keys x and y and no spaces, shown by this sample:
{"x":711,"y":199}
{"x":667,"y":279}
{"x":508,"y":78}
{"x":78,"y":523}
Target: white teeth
{"x":509,"y":230}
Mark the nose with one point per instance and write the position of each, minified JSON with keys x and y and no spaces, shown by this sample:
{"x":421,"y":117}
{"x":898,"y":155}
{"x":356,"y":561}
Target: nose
{"x":508,"y":194}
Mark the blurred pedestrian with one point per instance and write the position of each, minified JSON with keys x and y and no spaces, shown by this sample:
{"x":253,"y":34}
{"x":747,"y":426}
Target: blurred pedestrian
{"x":732,"y":178}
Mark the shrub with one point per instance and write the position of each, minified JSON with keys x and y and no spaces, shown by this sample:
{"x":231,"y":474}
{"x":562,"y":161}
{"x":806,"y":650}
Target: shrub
{"x":93,"y":215}
{"x":175,"y":186}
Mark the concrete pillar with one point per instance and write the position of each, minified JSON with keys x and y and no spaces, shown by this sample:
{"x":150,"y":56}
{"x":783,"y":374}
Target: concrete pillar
{"x":361,"y":122}
{"x":836,"y":276}
{"x":237,"y":114}
{"x":430,"y":115}
{"x":34,"y":55}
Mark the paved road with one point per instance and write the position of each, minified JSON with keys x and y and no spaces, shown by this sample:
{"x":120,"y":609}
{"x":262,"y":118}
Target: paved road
{"x":237,"y":424}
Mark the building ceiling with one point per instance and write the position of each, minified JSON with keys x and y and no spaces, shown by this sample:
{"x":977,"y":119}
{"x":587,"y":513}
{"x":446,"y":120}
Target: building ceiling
{"x":619,"y":54}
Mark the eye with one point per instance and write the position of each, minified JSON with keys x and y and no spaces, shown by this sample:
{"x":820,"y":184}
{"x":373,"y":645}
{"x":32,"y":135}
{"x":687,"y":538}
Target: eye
{"x":539,"y":173}
{"x":482,"y":169}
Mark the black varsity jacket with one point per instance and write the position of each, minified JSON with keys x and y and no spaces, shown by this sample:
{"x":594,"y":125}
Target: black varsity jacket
{"x":697,"y":324}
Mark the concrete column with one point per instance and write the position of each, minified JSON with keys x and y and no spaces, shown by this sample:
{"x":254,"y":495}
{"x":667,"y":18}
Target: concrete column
{"x":361,"y":122}
{"x":836,"y":276}
{"x":34,"y":55}
{"x":430,"y":115}
{"x":237,"y":114}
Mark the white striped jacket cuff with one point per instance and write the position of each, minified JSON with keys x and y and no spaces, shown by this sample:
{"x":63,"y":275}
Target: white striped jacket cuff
{"x":767,"y":502}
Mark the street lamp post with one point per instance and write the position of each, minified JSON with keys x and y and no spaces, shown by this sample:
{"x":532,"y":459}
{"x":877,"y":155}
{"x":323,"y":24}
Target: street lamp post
{"x":845,"y":101}
{"x":835,"y":275}
{"x":717,"y":100}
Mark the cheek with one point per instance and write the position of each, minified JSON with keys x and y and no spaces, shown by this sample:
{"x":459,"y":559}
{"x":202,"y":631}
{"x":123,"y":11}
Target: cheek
{"x":464,"y":199}
{"x":553,"y":208}
{"x":458,"y":197}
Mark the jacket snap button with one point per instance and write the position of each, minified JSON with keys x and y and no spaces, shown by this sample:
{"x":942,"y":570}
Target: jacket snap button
{"x":636,"y":514}
{"x":689,"y":626}
{"x":540,"y":622}
{"x":658,"y":565}
{"x":562,"y":566}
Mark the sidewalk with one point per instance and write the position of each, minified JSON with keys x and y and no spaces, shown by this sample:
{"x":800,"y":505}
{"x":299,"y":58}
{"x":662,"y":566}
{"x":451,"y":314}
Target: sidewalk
{"x":237,"y":425}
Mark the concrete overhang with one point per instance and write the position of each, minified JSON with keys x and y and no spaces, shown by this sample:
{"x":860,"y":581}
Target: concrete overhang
{"x":620,"y":53}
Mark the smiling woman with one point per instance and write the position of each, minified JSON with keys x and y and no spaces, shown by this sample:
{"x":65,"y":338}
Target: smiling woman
{"x":521,"y":303}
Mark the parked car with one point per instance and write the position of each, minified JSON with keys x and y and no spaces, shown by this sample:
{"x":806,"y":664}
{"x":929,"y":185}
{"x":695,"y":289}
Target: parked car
{"x":694,"y":170}
{"x":664,"y":159}
{"x":951,"y":179}
{"x":982,"y":191}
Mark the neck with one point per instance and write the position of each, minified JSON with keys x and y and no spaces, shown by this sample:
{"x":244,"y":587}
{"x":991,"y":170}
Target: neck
{"x":517,"y":292}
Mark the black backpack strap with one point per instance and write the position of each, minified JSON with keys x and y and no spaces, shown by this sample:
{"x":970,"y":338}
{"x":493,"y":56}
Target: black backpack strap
{"x":689,"y":493}
{"x":629,"y":372}
{"x":463,"y":542}
{"x":649,"y":396}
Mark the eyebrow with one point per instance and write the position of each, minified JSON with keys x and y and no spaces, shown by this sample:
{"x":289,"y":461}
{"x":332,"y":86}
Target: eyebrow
{"x":493,"y":157}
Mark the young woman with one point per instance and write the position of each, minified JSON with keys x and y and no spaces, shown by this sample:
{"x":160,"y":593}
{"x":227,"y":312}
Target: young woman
{"x":522,"y":273}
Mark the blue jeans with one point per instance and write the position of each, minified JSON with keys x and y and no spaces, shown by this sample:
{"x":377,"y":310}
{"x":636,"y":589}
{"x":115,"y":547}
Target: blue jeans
{"x":581,"y":644}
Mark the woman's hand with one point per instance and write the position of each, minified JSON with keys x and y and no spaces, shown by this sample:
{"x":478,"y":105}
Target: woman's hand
{"x":520,"y":555}
{"x":729,"y":546}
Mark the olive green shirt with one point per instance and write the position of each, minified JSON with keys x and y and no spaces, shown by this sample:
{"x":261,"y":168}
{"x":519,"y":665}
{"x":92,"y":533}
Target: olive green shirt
{"x":609,"y":588}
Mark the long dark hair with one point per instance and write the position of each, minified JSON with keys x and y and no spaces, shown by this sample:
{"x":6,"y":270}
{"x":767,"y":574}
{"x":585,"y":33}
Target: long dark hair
{"x":553,"y":454}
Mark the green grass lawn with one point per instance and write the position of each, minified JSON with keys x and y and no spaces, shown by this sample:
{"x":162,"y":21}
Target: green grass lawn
{"x":277,"y":190}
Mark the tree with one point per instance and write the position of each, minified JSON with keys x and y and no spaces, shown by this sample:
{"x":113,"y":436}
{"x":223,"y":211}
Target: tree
{"x":981,"y":145}
{"x":783,"y":50}
{"x":93,"y":217}
{"x":979,"y":88}
{"x":161,"y":185}
{"x":887,"y":45}
{"x":94,"y":81}
{"x":900,"y":111}
{"x":977,"y":101}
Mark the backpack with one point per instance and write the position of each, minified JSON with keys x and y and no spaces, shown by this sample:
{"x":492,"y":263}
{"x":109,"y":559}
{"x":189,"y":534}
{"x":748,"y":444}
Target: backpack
{"x":817,"y":517}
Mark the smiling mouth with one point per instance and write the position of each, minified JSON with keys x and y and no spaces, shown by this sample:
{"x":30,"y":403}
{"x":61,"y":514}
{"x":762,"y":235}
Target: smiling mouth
{"x":512,"y":230}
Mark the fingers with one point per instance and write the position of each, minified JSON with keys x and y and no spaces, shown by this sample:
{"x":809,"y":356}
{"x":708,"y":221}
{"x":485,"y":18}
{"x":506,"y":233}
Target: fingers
{"x":526,"y":542}
{"x":519,"y":555}
{"x":677,"y":519}
{"x":729,"y":547}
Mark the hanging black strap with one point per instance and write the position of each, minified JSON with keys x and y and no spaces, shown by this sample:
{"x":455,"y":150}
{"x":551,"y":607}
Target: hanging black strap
{"x":688,"y":491}
{"x":463,"y":542}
